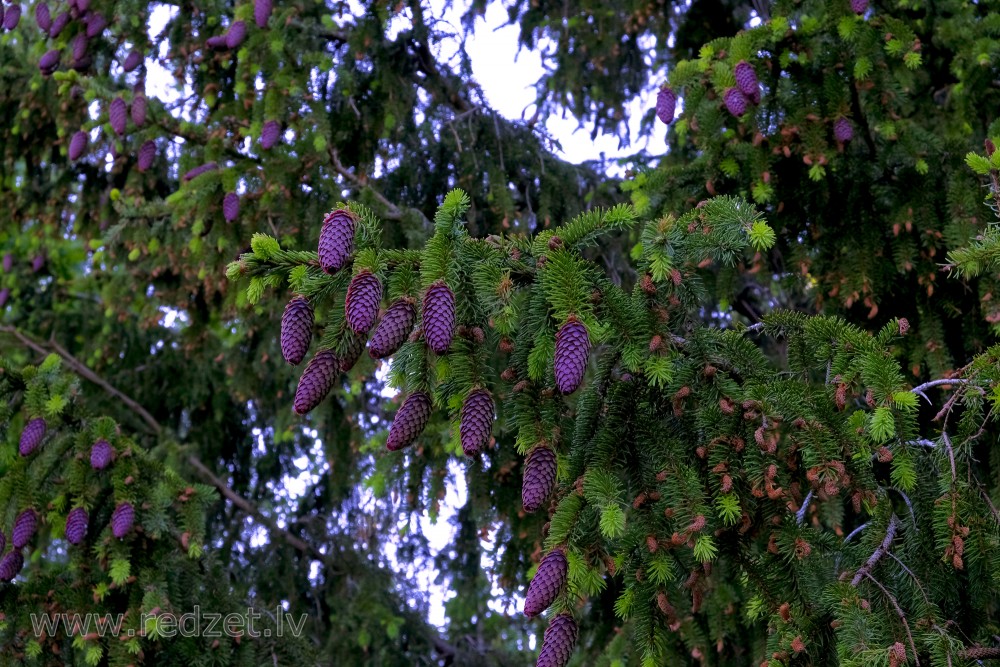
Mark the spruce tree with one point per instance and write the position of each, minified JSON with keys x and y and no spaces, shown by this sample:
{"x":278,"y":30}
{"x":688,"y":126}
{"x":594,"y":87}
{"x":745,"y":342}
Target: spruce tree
{"x":736,"y":407}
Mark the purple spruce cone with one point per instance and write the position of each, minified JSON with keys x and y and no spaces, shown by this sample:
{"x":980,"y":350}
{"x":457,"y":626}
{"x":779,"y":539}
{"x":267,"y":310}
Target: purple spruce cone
{"x":736,"y":101}
{"x":571,"y":355}
{"x":8,"y":264}
{"x":4,"y":295}
{"x":12,"y":17}
{"x":147,"y":153}
{"x":539,"y":478}
{"x":31,"y":436}
{"x":132,"y":60}
{"x":76,"y":525}
{"x":43,"y":17}
{"x":262,"y":12}
{"x":3,"y":541}
{"x":353,"y":348}
{"x":478,"y":413}
{"x":49,"y":62}
{"x":410,"y":420}
{"x":236,"y":34}
{"x":37,"y":262}
{"x":10,"y":565}
{"x":231,"y":206}
{"x":77,"y":145}
{"x":139,"y":110}
{"x":101,"y":454}
{"x":843,"y":131}
{"x":118,"y":114}
{"x":336,"y":240}
{"x":317,"y":380}
{"x":666,"y":105}
{"x":859,"y":6}
{"x":439,"y":316}
{"x":58,"y":23}
{"x":216,"y":42}
{"x":269,"y":134}
{"x":363,"y":297}
{"x":549,"y":581}
{"x":559,"y":642}
{"x":96,"y":23}
{"x":198,"y":171}
{"x":393,"y":329}
{"x":746,"y":78}
{"x":79,"y":47}
{"x":25,"y":526}
{"x":296,"y":330}
{"x":81,"y":5}
{"x":122,"y":519}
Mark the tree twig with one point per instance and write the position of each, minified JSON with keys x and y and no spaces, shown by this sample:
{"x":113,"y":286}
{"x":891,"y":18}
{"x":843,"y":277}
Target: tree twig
{"x":902,"y":616}
{"x":890,"y":535}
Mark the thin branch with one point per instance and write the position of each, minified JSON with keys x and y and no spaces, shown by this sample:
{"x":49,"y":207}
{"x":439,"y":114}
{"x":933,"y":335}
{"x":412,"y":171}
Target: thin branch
{"x":902,"y":617}
{"x":980,"y":653}
{"x":800,"y":515}
{"x":854,"y":532}
{"x":890,"y":535}
{"x":938,"y":383}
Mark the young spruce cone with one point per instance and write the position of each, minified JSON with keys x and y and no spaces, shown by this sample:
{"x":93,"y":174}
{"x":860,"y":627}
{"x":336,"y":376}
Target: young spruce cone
{"x":49,"y":62}
{"x":10,"y":565}
{"x":352,"y":351}
{"x":363,"y":297}
{"x":8,"y":264}
{"x":336,"y":240}
{"x":43,"y":17}
{"x":477,"y":418}
{"x":132,"y":60}
{"x":12,"y":17}
{"x":439,"y":316}
{"x":101,"y":454}
{"x":843,"y":131}
{"x":58,"y":24}
{"x":147,"y":153}
{"x":269,"y":134}
{"x":231,"y":206}
{"x":410,"y":420}
{"x":139,"y":110}
{"x":216,"y":42}
{"x":198,"y":171}
{"x":539,"y":478}
{"x":571,"y":355}
{"x":4,"y":295}
{"x":393,"y":329}
{"x":236,"y":34}
{"x":262,"y":12}
{"x":96,"y":23}
{"x":317,"y":380}
{"x":118,"y":114}
{"x":31,"y":436}
{"x":76,"y":525}
{"x":77,"y":145}
{"x":122,"y":519}
{"x":25,"y":526}
{"x":296,"y":330}
{"x":666,"y":105}
{"x":558,"y":643}
{"x":859,"y":6}
{"x":549,"y":581}
{"x":746,"y":78}
{"x":736,"y":101}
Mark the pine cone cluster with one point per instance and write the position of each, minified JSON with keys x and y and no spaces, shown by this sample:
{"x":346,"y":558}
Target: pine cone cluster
{"x":25,"y":526}
{"x":558,"y":642}
{"x":101,"y":454}
{"x":571,"y":355}
{"x":122,"y":519}
{"x":439,"y":316}
{"x":539,"y":478}
{"x":31,"y":436}
{"x":317,"y":380}
{"x":549,"y":581}
{"x":336,"y":240}
{"x":363,"y":297}
{"x":296,"y":330}
{"x":666,"y":105}
{"x":410,"y":420}
{"x":478,"y":413}
{"x":76,"y":525}
{"x":393,"y":329}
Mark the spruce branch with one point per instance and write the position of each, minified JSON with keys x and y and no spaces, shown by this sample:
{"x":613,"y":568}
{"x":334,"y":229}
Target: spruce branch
{"x":899,"y":611}
{"x":890,"y":535}
{"x":980,"y":653}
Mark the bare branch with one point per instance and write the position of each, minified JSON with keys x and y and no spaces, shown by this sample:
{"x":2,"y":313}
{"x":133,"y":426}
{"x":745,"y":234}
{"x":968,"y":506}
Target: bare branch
{"x":890,"y":535}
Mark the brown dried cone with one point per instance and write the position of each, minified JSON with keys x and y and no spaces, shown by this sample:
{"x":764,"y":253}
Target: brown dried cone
{"x":439,"y":316}
{"x":317,"y":380}
{"x":296,"y":330}
{"x":336,"y":240}
{"x":353,"y":348}
{"x":392,"y":330}
{"x":363,"y":297}
{"x":411,"y":418}
{"x":478,"y":413}
{"x":549,"y":581}
{"x":539,"y":478}
{"x":559,"y":642}
{"x":571,"y":356}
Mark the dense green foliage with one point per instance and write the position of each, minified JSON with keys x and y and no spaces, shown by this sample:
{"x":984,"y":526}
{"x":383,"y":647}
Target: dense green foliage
{"x":783,"y":451}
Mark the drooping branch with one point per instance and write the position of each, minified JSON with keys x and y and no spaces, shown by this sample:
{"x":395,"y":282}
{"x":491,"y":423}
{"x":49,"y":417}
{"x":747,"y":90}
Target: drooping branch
{"x":890,"y":535}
